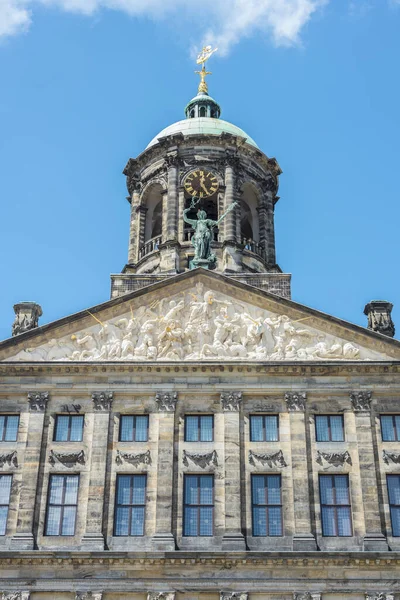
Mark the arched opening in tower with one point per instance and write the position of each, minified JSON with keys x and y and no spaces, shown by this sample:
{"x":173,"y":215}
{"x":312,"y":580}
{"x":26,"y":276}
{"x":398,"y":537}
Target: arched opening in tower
{"x":210,"y":205}
{"x":153,"y":202}
{"x":249,"y":225}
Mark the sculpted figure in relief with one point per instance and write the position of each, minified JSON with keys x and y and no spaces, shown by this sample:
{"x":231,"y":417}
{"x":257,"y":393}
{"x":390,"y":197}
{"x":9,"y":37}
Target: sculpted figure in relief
{"x":197,"y":324}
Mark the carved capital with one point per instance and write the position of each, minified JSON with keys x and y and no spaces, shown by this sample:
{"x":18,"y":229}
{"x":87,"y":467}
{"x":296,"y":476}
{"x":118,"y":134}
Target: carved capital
{"x":172,"y":160}
{"x":38,"y":401}
{"x":9,"y":459}
{"x":88,"y":595}
{"x":306,"y":596}
{"x":295,"y":401}
{"x":274,"y":459}
{"x":161,"y":595}
{"x":144,"y":458}
{"x":230,"y":401}
{"x":15,"y":595}
{"x":166,"y":401}
{"x":336,"y":459}
{"x":379,"y":596}
{"x":102,"y":401}
{"x":361,"y":401}
{"x":68,"y":459}
{"x":201,"y":460}
{"x":233,"y":596}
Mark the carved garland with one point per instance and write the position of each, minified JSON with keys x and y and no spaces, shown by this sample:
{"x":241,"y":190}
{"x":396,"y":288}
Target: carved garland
{"x":144,"y":458}
{"x":393,"y":457}
{"x":306,"y":596}
{"x":160,"y":595}
{"x":379,"y":596}
{"x":275,"y":459}
{"x":336,"y":459}
{"x":68,"y":459}
{"x":15,"y":595}
{"x":10,"y":459}
{"x":201,"y":460}
{"x":233,"y":596}
{"x":88,"y":595}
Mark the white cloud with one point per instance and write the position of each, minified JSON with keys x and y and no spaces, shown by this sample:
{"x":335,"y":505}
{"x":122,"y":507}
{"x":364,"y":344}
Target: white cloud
{"x":283,"y":20}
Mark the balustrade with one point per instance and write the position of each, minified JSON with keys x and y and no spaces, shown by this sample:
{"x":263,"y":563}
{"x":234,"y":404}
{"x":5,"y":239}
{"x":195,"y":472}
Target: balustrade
{"x":150,"y":246}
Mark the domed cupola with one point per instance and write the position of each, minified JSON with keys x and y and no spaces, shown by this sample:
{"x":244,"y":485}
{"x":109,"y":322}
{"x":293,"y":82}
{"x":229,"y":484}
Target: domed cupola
{"x":202,"y":106}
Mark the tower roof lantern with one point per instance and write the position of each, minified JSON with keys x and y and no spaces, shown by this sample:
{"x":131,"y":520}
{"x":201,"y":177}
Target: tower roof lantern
{"x":202,"y":105}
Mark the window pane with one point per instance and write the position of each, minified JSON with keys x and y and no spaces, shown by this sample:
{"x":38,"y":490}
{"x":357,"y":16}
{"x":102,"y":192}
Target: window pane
{"x":190,"y":520}
{"x":326,"y":488}
{"x":124,"y":489}
{"x":122,"y":521}
{"x":342,"y":489}
{"x":62,"y":428}
{"x":76,"y":428}
{"x":141,"y":429}
{"x":137,"y":524}
{"x":256,"y":429}
{"x":191,"y":490}
{"x":344,"y":521}
{"x":126,"y":429}
{"x":71,"y":489}
{"x":275,"y":521}
{"x":139,"y":489}
{"x":274,"y":489}
{"x":206,"y":428}
{"x":3,"y":519}
{"x":56,"y":489}
{"x":192,"y":433}
{"x":397,"y":423}
{"x":395,"y":516}
{"x":258,"y":489}
{"x":206,"y":489}
{"x":206,"y":521}
{"x":259,"y":521}
{"x":2,"y":421}
{"x":68,"y":524}
{"x":337,"y":428}
{"x":328,"y":521}
{"x":393,"y":482}
{"x":53,"y":520}
{"x":387,"y":428}
{"x":321,"y":424}
{"x":12,"y":429}
{"x":5,"y":488}
{"x":271,"y":428}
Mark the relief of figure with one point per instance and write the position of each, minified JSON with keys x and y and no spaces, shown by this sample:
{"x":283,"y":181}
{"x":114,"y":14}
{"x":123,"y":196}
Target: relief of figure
{"x":170,"y":341}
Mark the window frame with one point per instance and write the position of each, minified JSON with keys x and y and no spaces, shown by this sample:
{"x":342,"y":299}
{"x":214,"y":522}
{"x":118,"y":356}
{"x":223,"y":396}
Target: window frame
{"x":266,"y":506}
{"x":198,"y":505}
{"x":70,"y":417}
{"x":64,"y":476}
{"x":6,"y":417}
{"x":121,"y":417}
{"x":264,"y":416}
{"x":336,"y":506}
{"x":199,"y":418}
{"x":9,"y":500}
{"x":329,"y":415}
{"x":395,"y":429}
{"x":389,"y":476}
{"x":130,"y":506}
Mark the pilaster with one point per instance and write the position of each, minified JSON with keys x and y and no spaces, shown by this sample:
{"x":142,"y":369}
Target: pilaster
{"x":134,"y":228}
{"x":93,"y":538}
{"x":233,"y":538}
{"x":23,"y":538}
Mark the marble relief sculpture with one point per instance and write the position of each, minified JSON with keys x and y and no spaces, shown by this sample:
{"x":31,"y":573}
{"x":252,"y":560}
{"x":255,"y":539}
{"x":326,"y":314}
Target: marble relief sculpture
{"x":198,"y":324}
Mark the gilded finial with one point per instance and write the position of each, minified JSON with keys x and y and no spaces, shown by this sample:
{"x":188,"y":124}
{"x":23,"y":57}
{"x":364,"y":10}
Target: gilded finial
{"x":202,"y":58}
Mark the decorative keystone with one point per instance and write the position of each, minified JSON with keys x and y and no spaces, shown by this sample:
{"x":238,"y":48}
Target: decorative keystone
{"x":26,"y":317}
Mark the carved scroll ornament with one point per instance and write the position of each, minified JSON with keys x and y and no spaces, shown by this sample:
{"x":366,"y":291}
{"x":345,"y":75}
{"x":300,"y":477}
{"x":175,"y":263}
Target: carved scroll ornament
{"x":393,"y":457}
{"x":68,"y":459}
{"x":379,"y":596}
{"x":38,"y":401}
{"x":295,"y":401}
{"x":9,"y":459}
{"x":102,"y":401}
{"x":166,"y":401}
{"x":361,"y":401}
{"x":336,"y":459}
{"x":198,"y":324}
{"x":15,"y":595}
{"x":276,"y":459}
{"x":201,"y":460}
{"x":144,"y":458}
{"x":230,"y":401}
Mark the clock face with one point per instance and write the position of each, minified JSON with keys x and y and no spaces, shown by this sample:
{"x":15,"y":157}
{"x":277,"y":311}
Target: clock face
{"x":201,"y":183}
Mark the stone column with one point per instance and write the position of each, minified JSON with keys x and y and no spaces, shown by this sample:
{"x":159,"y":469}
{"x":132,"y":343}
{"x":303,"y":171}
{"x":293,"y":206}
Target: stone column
{"x":233,"y":537}
{"x":303,"y":538}
{"x":163,"y":538}
{"x":141,"y":211}
{"x":181,"y":207}
{"x":134,"y":230}
{"x":374,"y":539}
{"x":172,"y":198}
{"x":93,"y":539}
{"x":23,"y":538}
{"x":230,"y":223}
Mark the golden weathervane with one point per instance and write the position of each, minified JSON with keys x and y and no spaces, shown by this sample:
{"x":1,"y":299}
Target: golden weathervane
{"x":201,"y":60}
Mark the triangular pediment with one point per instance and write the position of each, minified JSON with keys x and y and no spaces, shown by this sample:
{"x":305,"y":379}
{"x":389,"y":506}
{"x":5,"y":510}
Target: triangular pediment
{"x":199,"y":316}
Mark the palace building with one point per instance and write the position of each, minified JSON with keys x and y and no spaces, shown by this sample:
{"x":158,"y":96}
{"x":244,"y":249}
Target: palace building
{"x":199,"y":435}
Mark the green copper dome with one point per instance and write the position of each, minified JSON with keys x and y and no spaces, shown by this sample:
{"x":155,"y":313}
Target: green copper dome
{"x":202,"y":125}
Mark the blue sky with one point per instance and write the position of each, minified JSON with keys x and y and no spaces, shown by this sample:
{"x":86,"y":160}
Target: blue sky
{"x":314,"y":82}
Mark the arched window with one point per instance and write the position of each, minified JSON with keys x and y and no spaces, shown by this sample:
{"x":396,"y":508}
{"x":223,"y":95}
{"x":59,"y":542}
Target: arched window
{"x":192,"y":114}
{"x":153,"y":203}
{"x":202,"y":111}
{"x":249,"y":227}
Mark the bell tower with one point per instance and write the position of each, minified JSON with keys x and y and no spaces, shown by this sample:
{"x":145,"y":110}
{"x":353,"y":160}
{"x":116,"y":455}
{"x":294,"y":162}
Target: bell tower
{"x":202,"y":167}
